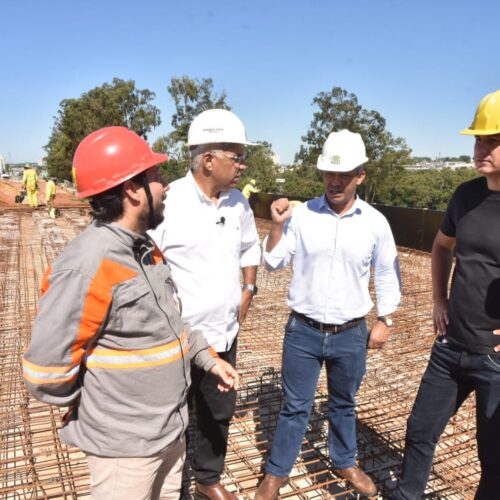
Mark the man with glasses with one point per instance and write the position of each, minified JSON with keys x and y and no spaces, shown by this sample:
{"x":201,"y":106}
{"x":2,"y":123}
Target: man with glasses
{"x":208,"y":237}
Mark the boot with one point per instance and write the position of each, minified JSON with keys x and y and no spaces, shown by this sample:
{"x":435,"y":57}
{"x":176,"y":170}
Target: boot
{"x":359,"y":481}
{"x":270,"y":487}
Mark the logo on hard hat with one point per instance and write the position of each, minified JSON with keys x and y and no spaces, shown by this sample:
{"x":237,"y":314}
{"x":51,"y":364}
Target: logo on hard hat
{"x":213,"y":130}
{"x":335,"y":160}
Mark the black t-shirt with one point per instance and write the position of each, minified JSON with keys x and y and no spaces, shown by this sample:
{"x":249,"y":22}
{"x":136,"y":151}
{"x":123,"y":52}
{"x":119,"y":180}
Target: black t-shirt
{"x":473,"y":218}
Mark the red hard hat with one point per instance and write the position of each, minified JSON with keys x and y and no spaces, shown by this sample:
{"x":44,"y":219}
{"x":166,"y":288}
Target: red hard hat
{"x":110,"y":156}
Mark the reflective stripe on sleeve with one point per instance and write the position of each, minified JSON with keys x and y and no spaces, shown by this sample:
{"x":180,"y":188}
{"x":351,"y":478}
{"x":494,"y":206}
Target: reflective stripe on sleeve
{"x":49,"y":374}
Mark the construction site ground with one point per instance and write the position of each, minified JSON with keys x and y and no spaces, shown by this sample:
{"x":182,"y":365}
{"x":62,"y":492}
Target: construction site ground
{"x":35,"y":464}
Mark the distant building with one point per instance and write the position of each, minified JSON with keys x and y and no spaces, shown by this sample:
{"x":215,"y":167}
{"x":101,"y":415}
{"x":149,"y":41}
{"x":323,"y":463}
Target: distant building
{"x":439,"y":165}
{"x":2,"y":165}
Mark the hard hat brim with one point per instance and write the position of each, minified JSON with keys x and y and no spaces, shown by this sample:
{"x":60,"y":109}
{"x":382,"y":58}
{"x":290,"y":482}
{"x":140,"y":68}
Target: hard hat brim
{"x":470,"y":131}
{"x":199,"y":143}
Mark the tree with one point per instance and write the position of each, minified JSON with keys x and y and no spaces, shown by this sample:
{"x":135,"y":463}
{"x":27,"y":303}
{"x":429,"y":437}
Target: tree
{"x":303,"y":181}
{"x":430,"y":189}
{"x":339,"y":109}
{"x":119,"y":103}
{"x":191,"y":97}
{"x":260,"y":166}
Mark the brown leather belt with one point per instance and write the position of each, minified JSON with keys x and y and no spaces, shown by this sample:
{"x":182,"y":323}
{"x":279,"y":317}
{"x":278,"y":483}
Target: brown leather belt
{"x":324,"y":327}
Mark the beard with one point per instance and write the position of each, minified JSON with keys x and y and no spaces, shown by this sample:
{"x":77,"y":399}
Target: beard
{"x":157,"y":219}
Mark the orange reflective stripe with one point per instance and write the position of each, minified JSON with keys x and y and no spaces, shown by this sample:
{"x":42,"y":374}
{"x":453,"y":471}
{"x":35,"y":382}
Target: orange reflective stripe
{"x":139,"y":358}
{"x":45,"y":280}
{"x":97,"y":302}
{"x":48,"y":374}
{"x":100,"y":351}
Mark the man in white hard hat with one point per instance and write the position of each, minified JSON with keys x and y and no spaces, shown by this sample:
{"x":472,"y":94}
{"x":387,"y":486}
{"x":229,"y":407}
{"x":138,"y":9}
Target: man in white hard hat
{"x":208,"y":239}
{"x":333,"y":242}
{"x":465,"y":357}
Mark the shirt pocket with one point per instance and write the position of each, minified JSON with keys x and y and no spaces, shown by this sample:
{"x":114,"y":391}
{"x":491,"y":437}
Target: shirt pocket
{"x":131,"y":316}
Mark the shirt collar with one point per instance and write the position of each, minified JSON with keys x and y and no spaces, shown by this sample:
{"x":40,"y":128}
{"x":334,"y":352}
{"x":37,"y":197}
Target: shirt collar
{"x":126,"y":236}
{"x":201,"y":195}
{"x":355,"y":209}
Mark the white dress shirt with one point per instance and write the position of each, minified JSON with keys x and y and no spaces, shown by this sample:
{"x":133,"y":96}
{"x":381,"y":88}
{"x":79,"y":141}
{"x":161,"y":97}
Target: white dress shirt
{"x":332,"y":257}
{"x":206,"y":245}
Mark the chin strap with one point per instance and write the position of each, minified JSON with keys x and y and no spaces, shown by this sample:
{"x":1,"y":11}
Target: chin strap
{"x":149,"y":196}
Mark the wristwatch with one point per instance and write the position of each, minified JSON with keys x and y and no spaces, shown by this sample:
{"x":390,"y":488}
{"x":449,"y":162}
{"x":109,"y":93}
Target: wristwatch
{"x":250,"y":286}
{"x":386,"y":320}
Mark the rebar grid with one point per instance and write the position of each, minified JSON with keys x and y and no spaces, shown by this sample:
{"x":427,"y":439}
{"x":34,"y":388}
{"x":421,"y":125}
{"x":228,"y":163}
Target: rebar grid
{"x":35,"y":464}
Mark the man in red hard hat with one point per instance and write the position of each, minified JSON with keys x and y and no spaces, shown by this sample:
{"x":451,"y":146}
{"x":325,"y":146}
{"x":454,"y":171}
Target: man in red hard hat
{"x":108,"y":340}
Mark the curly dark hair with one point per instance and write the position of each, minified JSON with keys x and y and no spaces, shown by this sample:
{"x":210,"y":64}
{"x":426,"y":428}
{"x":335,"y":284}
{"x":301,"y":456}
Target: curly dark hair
{"x":108,"y":206}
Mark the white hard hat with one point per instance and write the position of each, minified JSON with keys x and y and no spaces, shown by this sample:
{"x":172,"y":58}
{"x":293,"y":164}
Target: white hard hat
{"x":217,"y":126}
{"x":342,"y":152}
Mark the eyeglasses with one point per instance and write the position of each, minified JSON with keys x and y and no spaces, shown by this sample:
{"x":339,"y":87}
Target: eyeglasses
{"x":237,"y":159}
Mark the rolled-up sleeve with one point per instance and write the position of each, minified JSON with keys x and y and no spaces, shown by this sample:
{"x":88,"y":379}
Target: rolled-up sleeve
{"x":281,"y":255}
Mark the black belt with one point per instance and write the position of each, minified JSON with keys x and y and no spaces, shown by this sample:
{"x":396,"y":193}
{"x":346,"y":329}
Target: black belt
{"x":324,"y":327}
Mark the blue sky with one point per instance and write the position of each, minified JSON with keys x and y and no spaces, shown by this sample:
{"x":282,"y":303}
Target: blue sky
{"x":424,"y":65}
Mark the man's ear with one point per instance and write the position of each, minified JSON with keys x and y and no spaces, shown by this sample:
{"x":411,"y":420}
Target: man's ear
{"x":131,"y":190}
{"x":360,"y":178}
{"x":208,"y":160}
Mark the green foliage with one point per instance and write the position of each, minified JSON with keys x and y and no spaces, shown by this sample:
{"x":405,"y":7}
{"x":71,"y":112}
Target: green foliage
{"x":191,"y":97}
{"x":260,"y":166}
{"x":303,"y":181}
{"x":456,"y":159}
{"x":339,"y":110}
{"x":420,"y":159}
{"x":430,"y":189}
{"x":178,"y":162}
{"x":119,"y":103}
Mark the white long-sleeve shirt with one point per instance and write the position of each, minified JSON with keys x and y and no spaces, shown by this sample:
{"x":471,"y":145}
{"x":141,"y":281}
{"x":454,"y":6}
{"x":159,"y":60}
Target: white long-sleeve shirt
{"x":332,"y":257}
{"x":206,"y":245}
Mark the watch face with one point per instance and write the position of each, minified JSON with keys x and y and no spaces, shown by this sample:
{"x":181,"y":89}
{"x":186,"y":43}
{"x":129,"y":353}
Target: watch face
{"x":385,"y":320}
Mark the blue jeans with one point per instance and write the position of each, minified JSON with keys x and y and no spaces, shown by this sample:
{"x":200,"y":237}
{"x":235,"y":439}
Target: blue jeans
{"x":304,"y":350}
{"x":450,"y":377}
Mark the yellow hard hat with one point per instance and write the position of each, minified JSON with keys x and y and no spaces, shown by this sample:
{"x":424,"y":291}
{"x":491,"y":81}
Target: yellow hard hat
{"x":253,"y":181}
{"x":487,"y":118}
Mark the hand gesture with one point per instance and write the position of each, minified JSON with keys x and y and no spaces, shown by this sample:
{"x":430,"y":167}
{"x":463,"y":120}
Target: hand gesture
{"x":281,"y":210}
{"x":228,"y":376}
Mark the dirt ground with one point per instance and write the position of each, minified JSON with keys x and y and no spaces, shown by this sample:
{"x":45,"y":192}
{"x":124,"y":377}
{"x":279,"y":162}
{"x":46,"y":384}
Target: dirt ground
{"x":9,"y":189}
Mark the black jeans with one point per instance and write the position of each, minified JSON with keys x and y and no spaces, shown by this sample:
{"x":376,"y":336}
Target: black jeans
{"x":450,"y":377}
{"x":214,"y":410}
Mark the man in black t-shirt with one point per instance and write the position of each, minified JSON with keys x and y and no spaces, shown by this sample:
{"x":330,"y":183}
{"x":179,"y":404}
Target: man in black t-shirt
{"x":465,"y":357}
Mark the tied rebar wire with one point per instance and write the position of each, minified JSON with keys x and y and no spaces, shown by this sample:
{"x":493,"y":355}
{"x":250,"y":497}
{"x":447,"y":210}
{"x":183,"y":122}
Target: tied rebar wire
{"x":35,"y":464}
